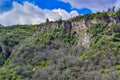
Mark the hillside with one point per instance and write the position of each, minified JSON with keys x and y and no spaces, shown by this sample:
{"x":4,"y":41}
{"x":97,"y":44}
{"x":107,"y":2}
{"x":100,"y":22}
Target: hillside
{"x":81,"y":48}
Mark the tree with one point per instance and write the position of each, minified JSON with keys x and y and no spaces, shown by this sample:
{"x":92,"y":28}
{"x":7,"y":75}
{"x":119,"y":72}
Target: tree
{"x":113,"y":9}
{"x":118,"y":13}
{"x":47,"y":20}
{"x":60,"y":20}
{"x":109,"y":9}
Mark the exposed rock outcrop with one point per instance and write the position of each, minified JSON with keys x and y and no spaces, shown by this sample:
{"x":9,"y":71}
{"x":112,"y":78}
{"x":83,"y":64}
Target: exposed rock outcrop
{"x":80,"y":27}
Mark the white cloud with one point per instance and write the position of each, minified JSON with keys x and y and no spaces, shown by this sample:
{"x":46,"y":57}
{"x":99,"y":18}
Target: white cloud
{"x":31,"y":14}
{"x":117,"y":4}
{"x":94,"y":5}
{"x":64,"y":14}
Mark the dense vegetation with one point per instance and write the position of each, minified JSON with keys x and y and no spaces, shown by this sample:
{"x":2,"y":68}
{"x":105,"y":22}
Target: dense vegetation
{"x":36,"y":52}
{"x":105,"y":16}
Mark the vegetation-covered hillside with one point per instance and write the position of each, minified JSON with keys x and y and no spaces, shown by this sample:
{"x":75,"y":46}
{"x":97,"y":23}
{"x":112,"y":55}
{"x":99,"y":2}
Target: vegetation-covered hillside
{"x":35,"y":52}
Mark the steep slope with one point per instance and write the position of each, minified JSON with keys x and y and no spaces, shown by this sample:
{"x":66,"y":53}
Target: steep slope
{"x":82,"y":48}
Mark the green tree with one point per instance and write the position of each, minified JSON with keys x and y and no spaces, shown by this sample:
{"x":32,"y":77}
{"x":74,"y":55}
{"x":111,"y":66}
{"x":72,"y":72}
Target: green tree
{"x":60,"y":20}
{"x":118,"y":13}
{"x":47,"y":20}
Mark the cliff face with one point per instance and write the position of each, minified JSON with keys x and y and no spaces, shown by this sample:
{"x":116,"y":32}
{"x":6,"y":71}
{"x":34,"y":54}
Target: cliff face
{"x":80,"y":27}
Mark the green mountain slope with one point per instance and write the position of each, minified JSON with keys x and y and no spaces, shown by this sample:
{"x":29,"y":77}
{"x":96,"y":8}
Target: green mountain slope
{"x":42,"y":52}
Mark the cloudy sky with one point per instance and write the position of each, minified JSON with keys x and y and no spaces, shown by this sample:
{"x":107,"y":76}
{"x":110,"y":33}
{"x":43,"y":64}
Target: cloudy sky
{"x":36,"y":11}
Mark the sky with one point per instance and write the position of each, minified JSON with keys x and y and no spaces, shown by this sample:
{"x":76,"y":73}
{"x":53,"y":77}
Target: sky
{"x":13,"y":12}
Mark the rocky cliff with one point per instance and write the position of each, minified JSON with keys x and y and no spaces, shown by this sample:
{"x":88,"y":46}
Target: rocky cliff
{"x":81,"y":26}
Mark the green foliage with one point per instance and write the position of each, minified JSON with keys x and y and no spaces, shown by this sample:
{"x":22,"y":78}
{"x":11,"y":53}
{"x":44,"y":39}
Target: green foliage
{"x":96,"y":29}
{"x":38,"y":52}
{"x":117,"y":67}
{"x":105,"y":40}
{"x":59,"y":34}
{"x":12,"y":36}
{"x":105,"y":71}
{"x":8,"y":74}
{"x":118,"y":13}
{"x":99,"y":16}
{"x":102,"y":15}
{"x":112,"y":14}
{"x":41,"y":65}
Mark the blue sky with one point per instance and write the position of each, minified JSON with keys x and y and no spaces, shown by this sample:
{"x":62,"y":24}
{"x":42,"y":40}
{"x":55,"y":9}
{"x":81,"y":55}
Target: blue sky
{"x":44,"y":4}
{"x":36,"y":11}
